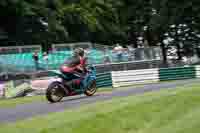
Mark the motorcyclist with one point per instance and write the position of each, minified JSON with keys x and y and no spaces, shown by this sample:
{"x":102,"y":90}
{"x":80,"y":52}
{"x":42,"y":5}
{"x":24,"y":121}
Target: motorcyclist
{"x":76,"y":66}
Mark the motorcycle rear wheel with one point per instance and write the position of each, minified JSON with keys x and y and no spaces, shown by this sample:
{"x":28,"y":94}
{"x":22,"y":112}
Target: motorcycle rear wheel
{"x":54,"y":93}
{"x":91,"y":90}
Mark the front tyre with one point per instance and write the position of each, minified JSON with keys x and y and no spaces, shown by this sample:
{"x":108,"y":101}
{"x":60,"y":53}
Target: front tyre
{"x":92,"y":88}
{"x":54,"y":93}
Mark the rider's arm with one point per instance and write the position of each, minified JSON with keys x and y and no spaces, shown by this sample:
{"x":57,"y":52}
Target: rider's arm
{"x":82,"y":66}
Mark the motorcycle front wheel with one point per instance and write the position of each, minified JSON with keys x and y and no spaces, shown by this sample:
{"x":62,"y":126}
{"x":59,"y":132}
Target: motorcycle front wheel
{"x":92,"y":88}
{"x":54,"y":93}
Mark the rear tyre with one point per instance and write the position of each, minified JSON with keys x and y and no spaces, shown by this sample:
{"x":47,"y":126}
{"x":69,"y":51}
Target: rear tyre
{"x":92,"y":88}
{"x":54,"y":93}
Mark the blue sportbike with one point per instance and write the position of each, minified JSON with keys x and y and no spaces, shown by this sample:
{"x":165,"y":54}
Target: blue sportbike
{"x":65,"y":86}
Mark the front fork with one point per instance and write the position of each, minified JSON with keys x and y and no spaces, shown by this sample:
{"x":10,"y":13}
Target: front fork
{"x":87,"y":81}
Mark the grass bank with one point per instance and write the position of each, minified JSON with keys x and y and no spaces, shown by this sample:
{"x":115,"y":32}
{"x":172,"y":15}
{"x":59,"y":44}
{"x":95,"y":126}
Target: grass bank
{"x":23,"y":100}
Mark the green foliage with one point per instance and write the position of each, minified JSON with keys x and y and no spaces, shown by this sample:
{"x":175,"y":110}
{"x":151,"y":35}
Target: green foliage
{"x":52,"y":21}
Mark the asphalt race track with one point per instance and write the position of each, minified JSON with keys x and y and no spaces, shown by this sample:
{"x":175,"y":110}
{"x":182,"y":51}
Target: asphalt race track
{"x":25,"y":111}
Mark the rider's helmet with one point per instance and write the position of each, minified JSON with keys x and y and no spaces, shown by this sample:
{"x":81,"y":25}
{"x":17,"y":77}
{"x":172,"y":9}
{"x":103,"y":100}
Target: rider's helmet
{"x":79,"y":52}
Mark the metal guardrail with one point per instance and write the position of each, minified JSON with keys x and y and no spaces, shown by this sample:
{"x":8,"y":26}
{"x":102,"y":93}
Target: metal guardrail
{"x":104,"y":79}
{"x":131,"y":77}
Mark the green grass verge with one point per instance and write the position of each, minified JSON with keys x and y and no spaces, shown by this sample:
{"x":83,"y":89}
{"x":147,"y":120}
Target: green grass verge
{"x":169,"y":111}
{"x":17,"y":101}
